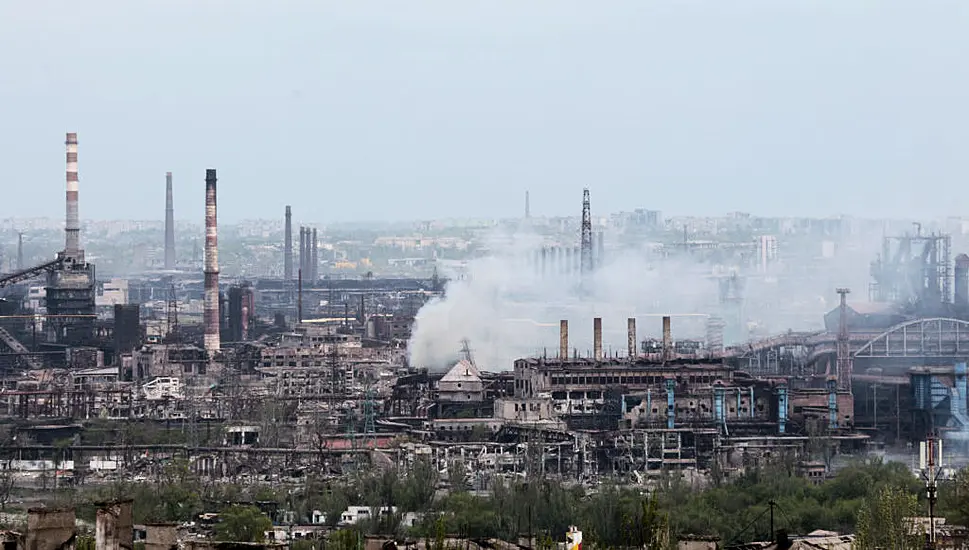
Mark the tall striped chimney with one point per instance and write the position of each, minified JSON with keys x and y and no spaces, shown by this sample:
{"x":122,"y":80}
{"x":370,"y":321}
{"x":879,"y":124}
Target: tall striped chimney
{"x":72,"y":227}
{"x":211,"y":265}
{"x":169,"y":223}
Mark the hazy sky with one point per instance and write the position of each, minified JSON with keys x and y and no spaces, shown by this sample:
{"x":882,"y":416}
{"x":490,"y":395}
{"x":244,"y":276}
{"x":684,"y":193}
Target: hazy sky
{"x":354,"y":110}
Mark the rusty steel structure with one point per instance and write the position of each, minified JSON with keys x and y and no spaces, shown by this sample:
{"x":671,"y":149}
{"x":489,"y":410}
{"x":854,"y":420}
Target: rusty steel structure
{"x":843,"y":358}
{"x":211,"y":312}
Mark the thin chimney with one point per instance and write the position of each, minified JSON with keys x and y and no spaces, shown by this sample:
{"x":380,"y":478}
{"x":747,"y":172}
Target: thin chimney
{"x":631,"y":337}
{"x":212,"y":342}
{"x":288,"y":246}
{"x":667,"y":339}
{"x":597,"y":338}
{"x":169,"y":223}
{"x":304,"y":248}
{"x":564,"y":339}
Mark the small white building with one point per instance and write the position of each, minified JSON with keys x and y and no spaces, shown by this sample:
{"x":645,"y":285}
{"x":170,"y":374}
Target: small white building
{"x":354,"y":514}
{"x":112,"y":292}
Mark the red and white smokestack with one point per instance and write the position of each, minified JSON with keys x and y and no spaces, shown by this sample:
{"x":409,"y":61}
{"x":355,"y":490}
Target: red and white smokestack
{"x":211,"y":313}
{"x":72,"y":227}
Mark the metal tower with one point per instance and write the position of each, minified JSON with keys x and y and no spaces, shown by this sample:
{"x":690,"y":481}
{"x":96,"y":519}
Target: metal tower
{"x":586,"y":242}
{"x":844,"y":345}
{"x":369,"y":425}
{"x":172,"y":314}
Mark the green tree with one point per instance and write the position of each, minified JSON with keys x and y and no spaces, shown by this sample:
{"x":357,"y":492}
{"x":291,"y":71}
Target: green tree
{"x":345,"y":539}
{"x":242,"y":524}
{"x":457,"y":476}
{"x":881,"y":521}
{"x":417,"y":488}
{"x":653,"y":525}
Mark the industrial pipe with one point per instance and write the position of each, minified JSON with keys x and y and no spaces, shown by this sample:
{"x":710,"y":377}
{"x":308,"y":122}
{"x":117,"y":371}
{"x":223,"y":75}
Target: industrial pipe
{"x":631,"y":337}
{"x":563,"y":339}
{"x":667,"y":339}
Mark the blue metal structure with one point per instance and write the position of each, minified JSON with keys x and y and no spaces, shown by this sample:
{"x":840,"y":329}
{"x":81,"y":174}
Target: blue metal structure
{"x":670,"y":404}
{"x":833,"y":404}
{"x":781,"y":409}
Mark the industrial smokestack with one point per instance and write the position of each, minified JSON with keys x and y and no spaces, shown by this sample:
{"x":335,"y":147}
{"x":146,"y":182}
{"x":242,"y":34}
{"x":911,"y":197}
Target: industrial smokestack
{"x":631,"y":337}
{"x":667,"y":339}
{"x":563,"y":339}
{"x":597,"y":338}
{"x":299,"y":293}
{"x":20,"y":251}
{"x":528,"y":209}
{"x":72,"y":227}
{"x":314,"y":251}
{"x":211,"y":265}
{"x":169,"y":223}
{"x":302,"y":248}
{"x":288,"y":246}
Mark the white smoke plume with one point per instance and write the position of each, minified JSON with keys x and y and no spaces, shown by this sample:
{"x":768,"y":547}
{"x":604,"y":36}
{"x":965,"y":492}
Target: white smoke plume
{"x":507,"y":310}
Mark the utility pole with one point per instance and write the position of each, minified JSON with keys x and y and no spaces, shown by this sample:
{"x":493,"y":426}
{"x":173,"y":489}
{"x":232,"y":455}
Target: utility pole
{"x":930,"y":473}
{"x":772,"y":504}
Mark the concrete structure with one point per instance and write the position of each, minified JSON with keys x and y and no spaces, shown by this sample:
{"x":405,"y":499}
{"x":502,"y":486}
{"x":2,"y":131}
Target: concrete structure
{"x":461,"y":384}
{"x":113,"y":528}
{"x":242,"y":311}
{"x":50,"y":529}
{"x":212,"y":341}
{"x":161,"y":536}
